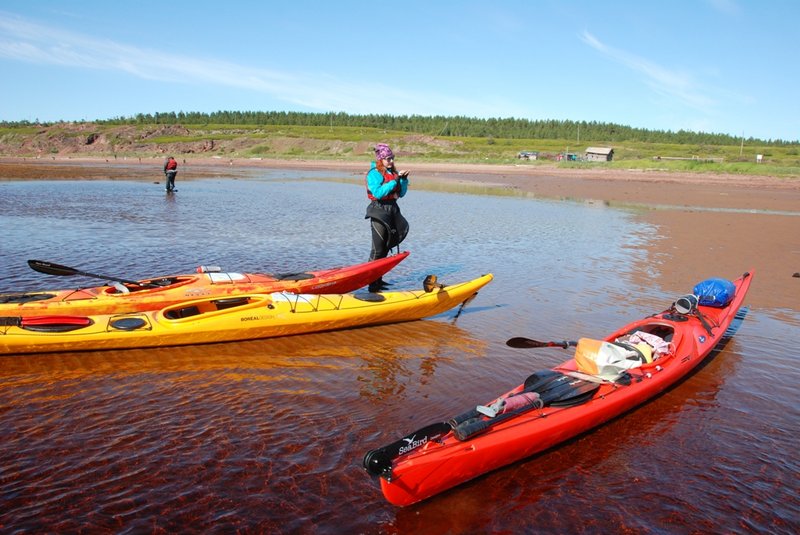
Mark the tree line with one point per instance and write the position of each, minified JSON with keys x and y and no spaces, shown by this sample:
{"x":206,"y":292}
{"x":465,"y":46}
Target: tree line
{"x":444,"y":126}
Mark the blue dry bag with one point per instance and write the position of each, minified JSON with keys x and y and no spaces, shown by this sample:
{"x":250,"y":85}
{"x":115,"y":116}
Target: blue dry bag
{"x":714,"y":292}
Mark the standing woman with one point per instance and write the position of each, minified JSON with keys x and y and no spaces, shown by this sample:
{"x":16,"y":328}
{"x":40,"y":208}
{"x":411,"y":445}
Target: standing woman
{"x":384,"y":186}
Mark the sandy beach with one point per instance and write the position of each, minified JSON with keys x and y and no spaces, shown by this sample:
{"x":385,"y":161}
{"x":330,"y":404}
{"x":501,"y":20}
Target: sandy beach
{"x":715,"y":225}
{"x":746,"y":192}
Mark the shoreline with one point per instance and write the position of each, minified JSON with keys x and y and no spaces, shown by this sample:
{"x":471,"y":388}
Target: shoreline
{"x":630,"y":186}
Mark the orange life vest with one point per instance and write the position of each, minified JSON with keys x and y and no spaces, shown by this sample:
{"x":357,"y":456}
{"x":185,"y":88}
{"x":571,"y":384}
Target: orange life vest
{"x":388,"y":176}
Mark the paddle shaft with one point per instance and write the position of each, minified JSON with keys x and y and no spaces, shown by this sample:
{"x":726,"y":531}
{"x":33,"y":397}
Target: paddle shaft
{"x":526,"y":343}
{"x":51,"y":268}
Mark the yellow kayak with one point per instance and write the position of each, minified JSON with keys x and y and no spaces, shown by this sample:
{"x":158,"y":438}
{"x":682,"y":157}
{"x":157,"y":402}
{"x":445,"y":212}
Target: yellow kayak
{"x":215,"y":319}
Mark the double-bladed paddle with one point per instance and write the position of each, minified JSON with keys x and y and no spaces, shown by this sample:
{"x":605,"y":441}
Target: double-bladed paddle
{"x":50,"y":268}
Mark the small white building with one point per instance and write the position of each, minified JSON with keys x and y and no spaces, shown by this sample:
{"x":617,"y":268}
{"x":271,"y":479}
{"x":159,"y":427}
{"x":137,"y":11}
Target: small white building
{"x":599,"y":154}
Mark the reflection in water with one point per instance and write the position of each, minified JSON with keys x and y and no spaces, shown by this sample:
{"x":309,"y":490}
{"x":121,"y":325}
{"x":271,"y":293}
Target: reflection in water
{"x":267,"y":436}
{"x":384,"y":358}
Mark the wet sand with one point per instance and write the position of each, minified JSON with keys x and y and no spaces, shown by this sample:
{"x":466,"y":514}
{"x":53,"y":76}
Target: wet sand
{"x":649,"y":188}
{"x":714,"y":225}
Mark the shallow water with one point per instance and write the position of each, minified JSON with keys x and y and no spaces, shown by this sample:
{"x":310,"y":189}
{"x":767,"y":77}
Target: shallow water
{"x":268,"y":436}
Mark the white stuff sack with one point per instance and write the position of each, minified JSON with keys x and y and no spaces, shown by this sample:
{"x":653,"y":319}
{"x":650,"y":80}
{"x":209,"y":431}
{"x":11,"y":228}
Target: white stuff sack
{"x":604,"y":359}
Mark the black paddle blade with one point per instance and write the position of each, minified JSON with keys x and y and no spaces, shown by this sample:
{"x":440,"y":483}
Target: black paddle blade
{"x":527,"y":343}
{"x":50,"y":268}
{"x":537,"y":382}
{"x":555,"y":390}
{"x":378,"y":462}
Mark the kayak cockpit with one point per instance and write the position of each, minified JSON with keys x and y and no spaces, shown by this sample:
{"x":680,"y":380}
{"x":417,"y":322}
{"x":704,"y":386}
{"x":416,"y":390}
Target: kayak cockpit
{"x":212,"y":305}
{"x":149,"y":285}
{"x":639,"y":347}
{"x":25,"y":297}
{"x":654,"y":333}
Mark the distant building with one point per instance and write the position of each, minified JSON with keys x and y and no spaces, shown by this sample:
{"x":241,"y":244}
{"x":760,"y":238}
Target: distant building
{"x":599,"y":154}
{"x":566,"y":156}
{"x":528,"y":155}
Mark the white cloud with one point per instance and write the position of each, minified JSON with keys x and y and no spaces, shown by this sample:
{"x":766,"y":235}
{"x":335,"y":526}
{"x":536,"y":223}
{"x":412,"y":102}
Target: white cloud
{"x":675,"y":85}
{"x":22,"y":40}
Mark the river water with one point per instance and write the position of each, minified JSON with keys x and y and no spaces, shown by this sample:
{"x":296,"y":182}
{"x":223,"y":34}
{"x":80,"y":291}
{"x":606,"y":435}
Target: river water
{"x":268,"y":436}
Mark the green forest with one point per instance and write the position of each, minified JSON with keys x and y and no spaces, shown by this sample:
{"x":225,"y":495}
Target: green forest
{"x":341,"y":136}
{"x":442,"y":126}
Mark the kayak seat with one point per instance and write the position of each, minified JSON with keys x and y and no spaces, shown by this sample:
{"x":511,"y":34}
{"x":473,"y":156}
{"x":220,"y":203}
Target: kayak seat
{"x":185,"y":312}
{"x":231,"y":302}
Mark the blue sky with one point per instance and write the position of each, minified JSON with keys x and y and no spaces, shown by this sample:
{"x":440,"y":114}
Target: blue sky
{"x":719,"y":66}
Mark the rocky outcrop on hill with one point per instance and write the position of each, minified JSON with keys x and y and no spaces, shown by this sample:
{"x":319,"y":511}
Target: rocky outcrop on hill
{"x":92,"y":140}
{"x":72,"y":140}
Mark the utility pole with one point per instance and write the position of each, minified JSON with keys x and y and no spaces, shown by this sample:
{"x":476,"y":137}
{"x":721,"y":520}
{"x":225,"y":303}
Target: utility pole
{"x":741,"y":149}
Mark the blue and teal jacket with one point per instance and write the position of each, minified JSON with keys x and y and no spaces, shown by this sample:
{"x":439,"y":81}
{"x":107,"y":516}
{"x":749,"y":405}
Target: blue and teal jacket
{"x":385,"y":187}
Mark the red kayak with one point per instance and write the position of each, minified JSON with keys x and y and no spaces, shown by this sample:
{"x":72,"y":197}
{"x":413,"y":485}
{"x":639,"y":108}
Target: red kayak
{"x":159,"y":292}
{"x":604,"y":379}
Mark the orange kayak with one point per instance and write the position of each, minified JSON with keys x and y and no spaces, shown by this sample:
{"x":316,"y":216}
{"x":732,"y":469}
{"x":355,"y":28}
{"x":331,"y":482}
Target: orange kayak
{"x":159,"y":292}
{"x":554,"y":405}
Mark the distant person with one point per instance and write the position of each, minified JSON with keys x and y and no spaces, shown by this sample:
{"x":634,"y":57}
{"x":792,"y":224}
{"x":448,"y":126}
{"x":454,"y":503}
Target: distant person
{"x":384,"y":186}
{"x":170,"y":170}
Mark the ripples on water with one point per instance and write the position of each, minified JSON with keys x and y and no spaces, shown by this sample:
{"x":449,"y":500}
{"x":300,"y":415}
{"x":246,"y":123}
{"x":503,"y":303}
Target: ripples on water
{"x":267,"y":436}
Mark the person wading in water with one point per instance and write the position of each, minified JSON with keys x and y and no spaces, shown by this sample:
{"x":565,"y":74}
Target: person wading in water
{"x":170,"y":170}
{"x":384,"y":186}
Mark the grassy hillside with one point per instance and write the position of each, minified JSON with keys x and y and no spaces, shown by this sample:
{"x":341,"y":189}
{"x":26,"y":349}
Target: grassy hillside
{"x":63,"y":140}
